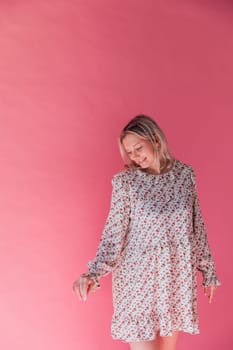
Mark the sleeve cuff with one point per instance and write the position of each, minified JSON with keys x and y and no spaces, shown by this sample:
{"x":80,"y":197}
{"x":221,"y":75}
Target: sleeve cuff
{"x":211,"y":281}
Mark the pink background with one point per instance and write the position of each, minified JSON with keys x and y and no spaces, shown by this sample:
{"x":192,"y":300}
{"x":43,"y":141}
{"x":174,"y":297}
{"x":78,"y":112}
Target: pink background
{"x":72,"y":73}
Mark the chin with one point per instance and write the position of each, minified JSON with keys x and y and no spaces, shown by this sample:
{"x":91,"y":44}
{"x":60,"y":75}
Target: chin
{"x":144,"y":166}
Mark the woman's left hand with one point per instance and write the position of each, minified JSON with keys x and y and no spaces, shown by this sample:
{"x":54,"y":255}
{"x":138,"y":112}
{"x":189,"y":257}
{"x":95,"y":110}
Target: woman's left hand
{"x":209,"y":292}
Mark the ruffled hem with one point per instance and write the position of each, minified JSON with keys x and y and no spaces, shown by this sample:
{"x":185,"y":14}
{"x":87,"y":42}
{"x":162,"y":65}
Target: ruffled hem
{"x":151,"y":337}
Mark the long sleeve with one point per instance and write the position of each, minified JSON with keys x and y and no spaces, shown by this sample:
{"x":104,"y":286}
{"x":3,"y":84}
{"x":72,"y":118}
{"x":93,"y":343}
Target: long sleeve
{"x":114,"y":232}
{"x":202,"y":252}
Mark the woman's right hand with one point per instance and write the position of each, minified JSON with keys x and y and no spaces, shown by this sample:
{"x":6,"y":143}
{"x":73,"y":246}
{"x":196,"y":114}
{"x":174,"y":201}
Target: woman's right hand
{"x":82,"y":286}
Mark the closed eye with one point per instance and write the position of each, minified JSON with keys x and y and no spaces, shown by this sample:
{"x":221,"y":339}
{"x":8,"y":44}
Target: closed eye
{"x":136,"y":149}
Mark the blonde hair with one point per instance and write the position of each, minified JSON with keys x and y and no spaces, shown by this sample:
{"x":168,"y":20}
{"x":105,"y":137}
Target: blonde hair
{"x":145,"y":127}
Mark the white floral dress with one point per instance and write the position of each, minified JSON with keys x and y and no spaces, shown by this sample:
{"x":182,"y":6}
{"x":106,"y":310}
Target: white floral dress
{"x":153,"y":242}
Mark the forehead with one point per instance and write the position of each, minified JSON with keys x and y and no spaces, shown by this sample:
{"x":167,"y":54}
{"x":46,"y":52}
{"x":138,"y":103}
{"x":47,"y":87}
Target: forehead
{"x":131,"y":140}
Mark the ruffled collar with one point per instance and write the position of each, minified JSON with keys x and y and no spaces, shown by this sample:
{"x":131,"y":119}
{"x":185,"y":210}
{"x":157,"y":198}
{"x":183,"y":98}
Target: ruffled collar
{"x":169,"y":175}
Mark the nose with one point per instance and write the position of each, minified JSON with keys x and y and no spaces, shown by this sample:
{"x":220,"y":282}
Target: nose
{"x":135,"y":155}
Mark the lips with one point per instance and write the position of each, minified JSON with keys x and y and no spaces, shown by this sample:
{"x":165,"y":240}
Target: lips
{"x":142,"y":161}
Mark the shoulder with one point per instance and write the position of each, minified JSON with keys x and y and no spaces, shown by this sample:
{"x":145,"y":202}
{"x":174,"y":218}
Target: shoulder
{"x":123,"y":177}
{"x":183,"y":165}
{"x":186,"y":170}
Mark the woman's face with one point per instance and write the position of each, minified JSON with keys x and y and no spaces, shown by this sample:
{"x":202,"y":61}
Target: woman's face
{"x":139,"y":150}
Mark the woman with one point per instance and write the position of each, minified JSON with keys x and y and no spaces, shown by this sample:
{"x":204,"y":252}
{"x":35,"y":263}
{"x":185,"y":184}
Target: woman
{"x":153,"y":242}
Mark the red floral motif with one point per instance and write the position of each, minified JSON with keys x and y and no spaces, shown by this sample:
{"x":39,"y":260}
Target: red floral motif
{"x":153,"y":242}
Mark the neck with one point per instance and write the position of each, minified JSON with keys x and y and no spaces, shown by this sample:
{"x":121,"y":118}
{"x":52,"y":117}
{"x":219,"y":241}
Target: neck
{"x":155,"y":168}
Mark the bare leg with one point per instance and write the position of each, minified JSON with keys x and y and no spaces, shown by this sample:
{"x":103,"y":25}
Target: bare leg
{"x":166,"y":343}
{"x":143,"y":345}
{"x":161,"y":343}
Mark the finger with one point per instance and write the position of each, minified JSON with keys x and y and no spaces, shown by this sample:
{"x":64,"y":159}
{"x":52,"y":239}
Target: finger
{"x":76,"y":289}
{"x":83,"y":288}
{"x":212,"y":291}
{"x":207,"y":292}
{"x":211,"y":296}
{"x":90,"y":285}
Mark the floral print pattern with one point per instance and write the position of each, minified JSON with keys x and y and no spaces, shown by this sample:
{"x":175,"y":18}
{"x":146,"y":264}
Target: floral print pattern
{"x":153,"y":242}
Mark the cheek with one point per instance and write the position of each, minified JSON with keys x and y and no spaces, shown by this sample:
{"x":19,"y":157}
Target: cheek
{"x":149,"y":153}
